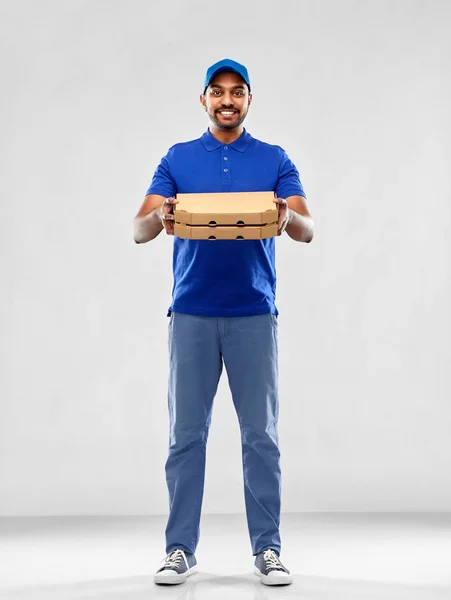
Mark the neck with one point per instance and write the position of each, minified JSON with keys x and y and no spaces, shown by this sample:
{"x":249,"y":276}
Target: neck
{"x":226,"y":136}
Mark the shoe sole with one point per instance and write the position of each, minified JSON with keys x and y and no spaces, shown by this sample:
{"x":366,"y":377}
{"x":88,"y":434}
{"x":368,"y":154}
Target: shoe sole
{"x":268,"y":580}
{"x":173,"y":579}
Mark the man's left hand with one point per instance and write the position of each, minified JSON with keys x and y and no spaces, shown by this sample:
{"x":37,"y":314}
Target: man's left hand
{"x":284,"y":215}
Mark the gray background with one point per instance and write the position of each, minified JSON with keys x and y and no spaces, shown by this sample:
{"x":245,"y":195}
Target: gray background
{"x":93,"y":95}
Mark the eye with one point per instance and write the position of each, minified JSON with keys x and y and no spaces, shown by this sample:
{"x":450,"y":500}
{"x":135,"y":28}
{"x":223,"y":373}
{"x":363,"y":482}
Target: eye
{"x":239,"y":93}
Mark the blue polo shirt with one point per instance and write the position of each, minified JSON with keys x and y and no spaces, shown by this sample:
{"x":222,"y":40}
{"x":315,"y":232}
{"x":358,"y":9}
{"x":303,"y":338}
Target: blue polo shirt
{"x":224,"y":278}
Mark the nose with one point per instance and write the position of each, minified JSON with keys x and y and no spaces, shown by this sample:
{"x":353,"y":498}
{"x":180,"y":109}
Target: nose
{"x":227,"y":99}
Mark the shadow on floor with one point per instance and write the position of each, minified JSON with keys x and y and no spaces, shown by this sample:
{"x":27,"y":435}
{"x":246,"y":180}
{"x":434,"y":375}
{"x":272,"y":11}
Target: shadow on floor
{"x":208,"y":586}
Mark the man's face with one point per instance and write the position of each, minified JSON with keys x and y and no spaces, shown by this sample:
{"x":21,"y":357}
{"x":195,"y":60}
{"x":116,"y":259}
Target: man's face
{"x":227,"y":100}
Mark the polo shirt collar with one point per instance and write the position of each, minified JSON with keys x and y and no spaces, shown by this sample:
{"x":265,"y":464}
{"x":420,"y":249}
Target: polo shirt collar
{"x":241,"y":144}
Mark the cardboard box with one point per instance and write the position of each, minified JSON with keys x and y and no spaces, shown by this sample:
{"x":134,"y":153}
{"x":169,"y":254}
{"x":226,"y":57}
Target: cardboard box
{"x":226,"y":208}
{"x":226,"y":232}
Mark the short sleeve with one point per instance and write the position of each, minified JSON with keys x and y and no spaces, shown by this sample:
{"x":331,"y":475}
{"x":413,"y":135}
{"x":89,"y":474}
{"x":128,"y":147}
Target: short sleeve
{"x":162,"y":182}
{"x":289,"y":182}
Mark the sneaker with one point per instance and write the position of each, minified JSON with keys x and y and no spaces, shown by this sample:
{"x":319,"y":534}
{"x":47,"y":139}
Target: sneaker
{"x":270,"y":570}
{"x":175,"y":568}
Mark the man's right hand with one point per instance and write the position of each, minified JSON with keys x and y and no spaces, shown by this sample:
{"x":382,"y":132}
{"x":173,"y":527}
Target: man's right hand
{"x":166,"y":214}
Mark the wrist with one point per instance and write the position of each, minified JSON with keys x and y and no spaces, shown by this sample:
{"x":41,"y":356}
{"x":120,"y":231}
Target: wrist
{"x":159,"y":214}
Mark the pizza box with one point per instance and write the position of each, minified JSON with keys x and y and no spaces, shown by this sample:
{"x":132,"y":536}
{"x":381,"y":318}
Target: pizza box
{"x":226,"y":208}
{"x":225,"y":232}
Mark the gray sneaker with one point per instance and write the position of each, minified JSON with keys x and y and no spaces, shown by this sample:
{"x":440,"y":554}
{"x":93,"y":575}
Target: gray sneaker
{"x":270,"y":570}
{"x":175,"y":568}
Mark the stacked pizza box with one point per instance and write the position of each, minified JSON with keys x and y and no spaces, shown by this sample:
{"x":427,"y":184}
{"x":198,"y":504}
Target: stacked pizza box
{"x":226,"y":216}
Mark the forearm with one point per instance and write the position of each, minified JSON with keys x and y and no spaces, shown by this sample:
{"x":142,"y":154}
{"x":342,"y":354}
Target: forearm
{"x":147,"y":228}
{"x":299,"y":228}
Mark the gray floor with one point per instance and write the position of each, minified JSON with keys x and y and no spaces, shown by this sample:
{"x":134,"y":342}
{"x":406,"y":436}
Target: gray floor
{"x":333,"y":556}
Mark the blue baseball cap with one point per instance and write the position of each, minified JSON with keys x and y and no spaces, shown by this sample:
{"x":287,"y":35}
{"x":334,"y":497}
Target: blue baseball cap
{"x":226,"y":64}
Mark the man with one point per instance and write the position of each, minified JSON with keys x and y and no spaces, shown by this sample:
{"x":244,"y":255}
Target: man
{"x":223,"y":313}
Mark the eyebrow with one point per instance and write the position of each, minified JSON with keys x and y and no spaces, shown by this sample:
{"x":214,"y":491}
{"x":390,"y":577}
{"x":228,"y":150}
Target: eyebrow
{"x":235,"y":87}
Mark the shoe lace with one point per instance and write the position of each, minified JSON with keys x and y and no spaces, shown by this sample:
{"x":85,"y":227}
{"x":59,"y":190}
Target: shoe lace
{"x":271,"y":560}
{"x":173,"y":559}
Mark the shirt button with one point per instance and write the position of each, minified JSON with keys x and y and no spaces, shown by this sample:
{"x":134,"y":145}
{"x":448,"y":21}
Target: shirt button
{"x":225,"y":158}
{"x":225,"y":170}
{"x":226,"y":147}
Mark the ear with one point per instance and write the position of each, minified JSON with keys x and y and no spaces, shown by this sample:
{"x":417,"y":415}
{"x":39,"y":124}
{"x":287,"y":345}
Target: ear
{"x":203,"y":100}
